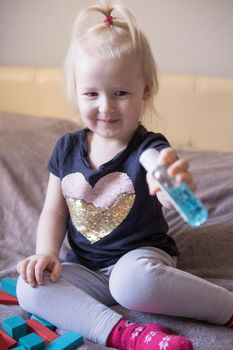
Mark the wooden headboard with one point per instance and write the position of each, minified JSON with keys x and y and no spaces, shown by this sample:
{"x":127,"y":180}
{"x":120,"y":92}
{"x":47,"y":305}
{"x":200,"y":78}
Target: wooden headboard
{"x":194,"y":111}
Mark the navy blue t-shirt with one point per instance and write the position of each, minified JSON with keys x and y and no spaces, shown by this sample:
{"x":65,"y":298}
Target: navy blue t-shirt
{"x":111,"y":211}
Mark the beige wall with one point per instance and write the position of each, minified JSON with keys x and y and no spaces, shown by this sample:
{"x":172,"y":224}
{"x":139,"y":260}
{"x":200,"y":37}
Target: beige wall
{"x":187,"y":36}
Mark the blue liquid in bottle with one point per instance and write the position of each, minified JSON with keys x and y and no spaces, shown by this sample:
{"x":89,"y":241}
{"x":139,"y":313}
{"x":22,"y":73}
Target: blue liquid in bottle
{"x":180,"y":195}
{"x":189,"y":207}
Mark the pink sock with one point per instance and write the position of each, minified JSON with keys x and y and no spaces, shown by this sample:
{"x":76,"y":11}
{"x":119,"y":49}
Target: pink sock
{"x":127,"y":335}
{"x":229,"y":324}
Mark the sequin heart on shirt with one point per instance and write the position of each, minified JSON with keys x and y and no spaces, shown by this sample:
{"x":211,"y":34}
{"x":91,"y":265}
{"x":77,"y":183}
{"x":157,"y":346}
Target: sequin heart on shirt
{"x":97,"y":211}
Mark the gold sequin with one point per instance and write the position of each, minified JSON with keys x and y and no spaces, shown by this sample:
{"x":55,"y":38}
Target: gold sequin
{"x":96,"y":223}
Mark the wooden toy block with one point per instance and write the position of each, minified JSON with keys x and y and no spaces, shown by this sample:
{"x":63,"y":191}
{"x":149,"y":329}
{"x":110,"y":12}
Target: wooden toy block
{"x":7,"y":299}
{"x":41,"y":330}
{"x":8,"y":340}
{"x":44,"y":322}
{"x":20,"y":347}
{"x":32,"y":342}
{"x":3,"y":345}
{"x":8,"y":285}
{"x":15,"y":327}
{"x":68,"y":341}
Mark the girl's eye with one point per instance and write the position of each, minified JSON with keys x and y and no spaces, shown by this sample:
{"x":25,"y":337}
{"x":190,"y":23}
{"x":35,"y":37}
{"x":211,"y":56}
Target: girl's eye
{"x":91,"y":94}
{"x":121,"y":93}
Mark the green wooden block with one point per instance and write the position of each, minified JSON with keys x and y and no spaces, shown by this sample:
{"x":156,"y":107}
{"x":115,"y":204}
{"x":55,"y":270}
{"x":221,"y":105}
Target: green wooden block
{"x":15,"y":327}
{"x":68,"y":341}
{"x":8,"y":285}
{"x":32,"y":342}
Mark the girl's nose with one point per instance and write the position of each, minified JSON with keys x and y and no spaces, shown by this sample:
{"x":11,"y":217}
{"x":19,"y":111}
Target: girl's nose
{"x":106,"y":105}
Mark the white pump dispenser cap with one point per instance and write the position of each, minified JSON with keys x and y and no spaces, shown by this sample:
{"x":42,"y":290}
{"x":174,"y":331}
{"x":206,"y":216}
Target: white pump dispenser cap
{"x":149,"y":159}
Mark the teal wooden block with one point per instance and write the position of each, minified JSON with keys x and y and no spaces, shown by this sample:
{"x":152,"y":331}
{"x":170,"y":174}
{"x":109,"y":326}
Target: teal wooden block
{"x":8,"y":285}
{"x":68,"y":341}
{"x":20,"y":347}
{"x":44,"y":322}
{"x":32,"y":342}
{"x":15,"y":327}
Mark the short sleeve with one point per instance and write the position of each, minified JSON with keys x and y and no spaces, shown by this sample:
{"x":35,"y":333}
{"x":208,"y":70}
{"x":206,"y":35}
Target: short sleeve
{"x":160,"y":142}
{"x":55,"y":164}
{"x":155,"y":140}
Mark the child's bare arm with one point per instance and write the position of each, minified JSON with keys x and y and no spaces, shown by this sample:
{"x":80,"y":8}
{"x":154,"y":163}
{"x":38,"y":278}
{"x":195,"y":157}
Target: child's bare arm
{"x":50,"y":235}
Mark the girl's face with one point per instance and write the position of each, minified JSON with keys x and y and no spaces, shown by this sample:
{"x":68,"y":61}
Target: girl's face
{"x":110,"y":95}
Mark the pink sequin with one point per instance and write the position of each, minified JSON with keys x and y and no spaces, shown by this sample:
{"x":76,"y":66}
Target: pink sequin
{"x":103,"y":194}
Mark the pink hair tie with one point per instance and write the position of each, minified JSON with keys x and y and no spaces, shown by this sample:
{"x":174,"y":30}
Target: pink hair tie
{"x":108,"y":20}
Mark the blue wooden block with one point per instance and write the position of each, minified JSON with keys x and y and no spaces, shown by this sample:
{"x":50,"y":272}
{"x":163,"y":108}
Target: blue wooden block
{"x":44,"y":322}
{"x":8,"y":285}
{"x":32,"y":342}
{"x":20,"y":347}
{"x":15,"y":327}
{"x":68,"y":341}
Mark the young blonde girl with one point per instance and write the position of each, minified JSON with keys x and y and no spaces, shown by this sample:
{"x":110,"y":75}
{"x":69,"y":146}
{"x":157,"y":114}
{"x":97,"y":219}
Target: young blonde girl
{"x":98,"y":194}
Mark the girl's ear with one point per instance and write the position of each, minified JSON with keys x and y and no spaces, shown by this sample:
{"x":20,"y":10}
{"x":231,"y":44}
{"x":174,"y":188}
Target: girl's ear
{"x":147,"y":91}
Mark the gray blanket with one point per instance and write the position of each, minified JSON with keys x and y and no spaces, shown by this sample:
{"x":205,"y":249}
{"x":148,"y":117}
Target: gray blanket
{"x":25,"y":146}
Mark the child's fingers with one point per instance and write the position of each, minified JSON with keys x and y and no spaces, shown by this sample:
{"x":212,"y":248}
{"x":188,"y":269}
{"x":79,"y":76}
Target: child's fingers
{"x":187,"y":178}
{"x":180,"y":165}
{"x":167,"y":156}
{"x":180,"y":170}
{"x":40,"y":266}
{"x":22,"y":269}
{"x":31,"y":273}
{"x":152,"y":184}
{"x":32,"y":269}
{"x":18,"y":267}
{"x":55,"y":273}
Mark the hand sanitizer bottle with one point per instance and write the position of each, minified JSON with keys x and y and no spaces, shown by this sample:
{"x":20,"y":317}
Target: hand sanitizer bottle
{"x":180,"y":195}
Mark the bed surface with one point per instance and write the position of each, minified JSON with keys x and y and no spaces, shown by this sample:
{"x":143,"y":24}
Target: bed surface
{"x":25,"y":147}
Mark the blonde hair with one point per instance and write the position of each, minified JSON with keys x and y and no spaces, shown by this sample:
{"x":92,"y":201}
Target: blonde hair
{"x":116,"y":38}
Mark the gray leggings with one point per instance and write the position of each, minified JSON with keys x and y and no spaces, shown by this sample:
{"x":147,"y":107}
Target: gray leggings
{"x":144,"y":279}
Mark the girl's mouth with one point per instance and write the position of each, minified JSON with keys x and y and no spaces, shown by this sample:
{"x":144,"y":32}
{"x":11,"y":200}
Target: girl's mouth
{"x":109,"y":121}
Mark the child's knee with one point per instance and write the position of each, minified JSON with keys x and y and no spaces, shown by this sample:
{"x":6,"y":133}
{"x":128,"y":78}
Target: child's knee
{"x":135,"y":278}
{"x":29,"y":298}
{"x":25,"y":294}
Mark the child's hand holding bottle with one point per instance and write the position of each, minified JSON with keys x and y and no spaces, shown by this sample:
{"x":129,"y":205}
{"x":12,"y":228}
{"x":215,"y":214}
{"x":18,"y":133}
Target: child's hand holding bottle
{"x":170,"y":179}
